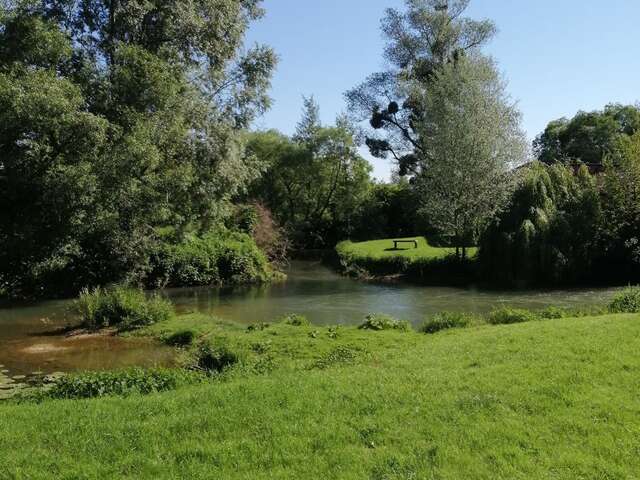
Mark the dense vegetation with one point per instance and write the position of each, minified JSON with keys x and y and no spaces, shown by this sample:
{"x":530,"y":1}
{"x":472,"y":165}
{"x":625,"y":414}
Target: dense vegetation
{"x":121,"y":308}
{"x":120,"y":122}
{"x":382,"y":403}
{"x":565,"y":225}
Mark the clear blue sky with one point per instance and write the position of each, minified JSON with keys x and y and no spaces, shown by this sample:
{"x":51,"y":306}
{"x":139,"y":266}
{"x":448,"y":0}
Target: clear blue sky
{"x":559,"y":56}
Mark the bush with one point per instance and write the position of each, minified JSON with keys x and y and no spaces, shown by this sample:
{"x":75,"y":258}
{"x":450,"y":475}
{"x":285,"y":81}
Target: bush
{"x":121,"y":307}
{"x":212,"y":359}
{"x":212,"y":259}
{"x":181,"y":338}
{"x":380,"y":322}
{"x":628,"y":301}
{"x":445,"y":321}
{"x":122,"y":383}
{"x":508,"y":315}
{"x":554,"y":313}
{"x":296,"y":320}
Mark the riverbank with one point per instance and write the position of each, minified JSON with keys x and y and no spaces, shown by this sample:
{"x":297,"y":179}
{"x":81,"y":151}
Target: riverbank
{"x":414,"y":260}
{"x":303,"y":401}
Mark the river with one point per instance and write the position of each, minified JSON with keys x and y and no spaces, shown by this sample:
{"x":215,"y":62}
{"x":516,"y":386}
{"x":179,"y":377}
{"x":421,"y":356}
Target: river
{"x":26,"y":345}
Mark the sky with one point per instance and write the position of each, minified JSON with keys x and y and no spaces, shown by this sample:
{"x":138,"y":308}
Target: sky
{"x":558,"y":56}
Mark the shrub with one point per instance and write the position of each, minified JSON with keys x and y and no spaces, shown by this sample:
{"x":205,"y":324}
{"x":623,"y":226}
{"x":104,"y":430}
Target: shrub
{"x":384,"y":322}
{"x":211,"y":259}
{"x":181,"y":338}
{"x":508,"y":315}
{"x":296,"y":320}
{"x":553,"y":313}
{"x":627,"y":301}
{"x":445,"y":321}
{"x":212,"y":359}
{"x":121,"y":307}
{"x":122,"y":383}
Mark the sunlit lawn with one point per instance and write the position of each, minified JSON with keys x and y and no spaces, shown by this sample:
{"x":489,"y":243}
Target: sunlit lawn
{"x":380,"y":249}
{"x":551,"y":399}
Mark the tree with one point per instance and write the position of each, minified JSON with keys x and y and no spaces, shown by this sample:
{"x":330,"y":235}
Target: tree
{"x":472,"y":137}
{"x":315,"y":181}
{"x":118,"y":121}
{"x":549,"y":233}
{"x":429,"y":35}
{"x":588,"y":137}
{"x":621,"y":207}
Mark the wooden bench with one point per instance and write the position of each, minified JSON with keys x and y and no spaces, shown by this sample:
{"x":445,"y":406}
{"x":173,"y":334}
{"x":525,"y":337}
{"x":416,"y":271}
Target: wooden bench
{"x":397,"y":242}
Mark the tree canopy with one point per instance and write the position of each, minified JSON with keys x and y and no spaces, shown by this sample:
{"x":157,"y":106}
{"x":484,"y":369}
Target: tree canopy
{"x":588,"y":137}
{"x":120,"y":120}
{"x":420,"y":40}
{"x":315,"y":181}
{"x":473,"y":140}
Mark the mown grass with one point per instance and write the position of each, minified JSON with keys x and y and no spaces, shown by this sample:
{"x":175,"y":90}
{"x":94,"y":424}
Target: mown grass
{"x":381,"y":249}
{"x":550,"y":399}
{"x":425,"y":264}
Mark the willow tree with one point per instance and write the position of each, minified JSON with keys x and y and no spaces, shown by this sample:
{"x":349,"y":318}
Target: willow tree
{"x":548,"y":234}
{"x":119,"y":119}
{"x":420,"y":40}
{"x":472,"y":140}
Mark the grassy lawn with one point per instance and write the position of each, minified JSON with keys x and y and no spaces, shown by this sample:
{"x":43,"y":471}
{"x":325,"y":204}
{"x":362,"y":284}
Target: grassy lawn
{"x":553,"y":399}
{"x":382,"y":249}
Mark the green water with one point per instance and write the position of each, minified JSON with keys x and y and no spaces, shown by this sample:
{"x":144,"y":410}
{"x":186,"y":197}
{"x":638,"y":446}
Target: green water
{"x":311,"y":289}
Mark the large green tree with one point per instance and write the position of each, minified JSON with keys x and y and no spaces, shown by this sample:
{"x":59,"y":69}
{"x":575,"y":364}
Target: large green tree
{"x":471,"y":130}
{"x":119,"y":120}
{"x":423,"y":38}
{"x":315,"y":181}
{"x":588,"y":137}
{"x":549,"y":232}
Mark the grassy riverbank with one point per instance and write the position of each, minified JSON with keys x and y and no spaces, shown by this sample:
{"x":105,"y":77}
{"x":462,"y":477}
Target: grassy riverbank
{"x":541,"y":399}
{"x":426,"y":263}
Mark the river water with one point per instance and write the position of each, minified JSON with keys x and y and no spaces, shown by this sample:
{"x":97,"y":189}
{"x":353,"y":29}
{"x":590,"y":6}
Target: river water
{"x":313,"y":290}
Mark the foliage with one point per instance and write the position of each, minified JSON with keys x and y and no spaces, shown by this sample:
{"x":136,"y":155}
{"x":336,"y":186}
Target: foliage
{"x":134,"y":381}
{"x":548,"y":234}
{"x":474,"y":137}
{"x":508,"y":315}
{"x":213,"y":359}
{"x":296,"y":320}
{"x":315,"y":182}
{"x":381,"y":321}
{"x":120,"y":307}
{"x":388,"y":210}
{"x":420,"y":41}
{"x":210,"y":259}
{"x":117,"y":120}
{"x":620,"y":229}
{"x":626,"y":302}
{"x":447,"y":320}
{"x":588,"y":137}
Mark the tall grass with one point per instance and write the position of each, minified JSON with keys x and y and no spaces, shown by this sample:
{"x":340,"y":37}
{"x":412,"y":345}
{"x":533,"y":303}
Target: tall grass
{"x":121,"y":307}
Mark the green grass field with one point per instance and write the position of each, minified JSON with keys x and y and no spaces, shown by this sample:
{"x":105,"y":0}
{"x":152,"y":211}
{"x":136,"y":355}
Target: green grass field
{"x":553,"y":399}
{"x":384,"y":249}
